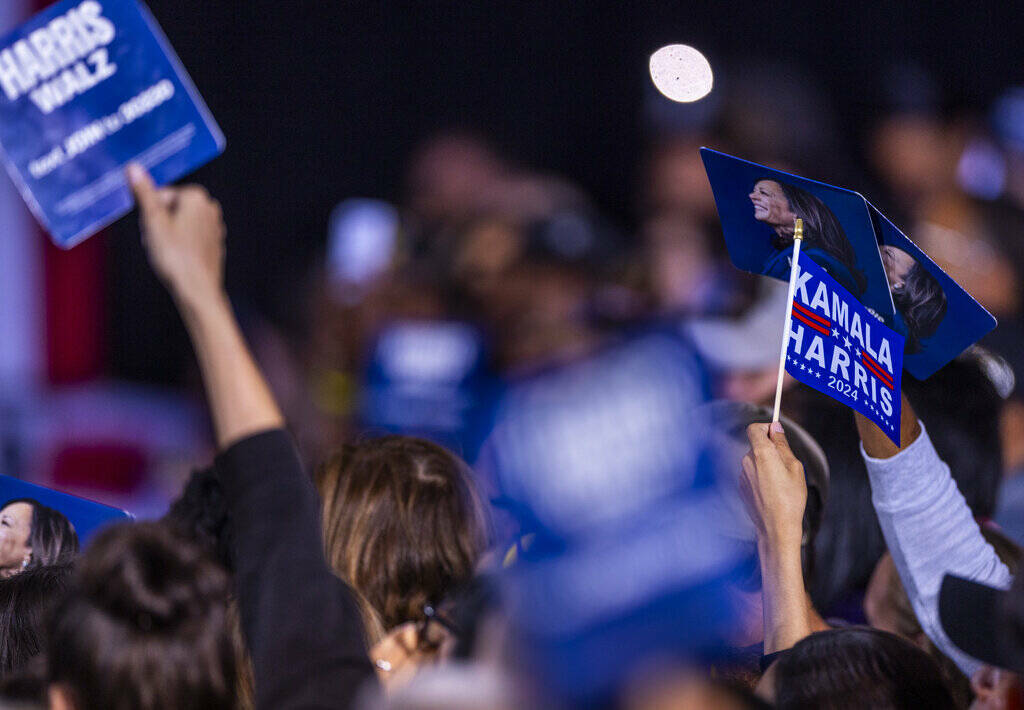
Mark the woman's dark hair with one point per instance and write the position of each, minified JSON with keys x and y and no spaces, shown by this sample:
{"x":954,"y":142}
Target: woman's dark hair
{"x":403,"y":524}
{"x":922,"y":302}
{"x":52,"y":537}
{"x":24,"y":600}
{"x":143,"y":626}
{"x":858,"y":667}
{"x":821,"y":229}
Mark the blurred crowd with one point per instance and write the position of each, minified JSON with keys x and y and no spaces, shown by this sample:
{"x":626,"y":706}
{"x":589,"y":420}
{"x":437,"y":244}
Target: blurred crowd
{"x":520,"y":454}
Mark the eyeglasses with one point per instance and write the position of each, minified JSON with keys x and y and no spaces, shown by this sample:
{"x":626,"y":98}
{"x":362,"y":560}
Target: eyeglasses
{"x":430,"y":614}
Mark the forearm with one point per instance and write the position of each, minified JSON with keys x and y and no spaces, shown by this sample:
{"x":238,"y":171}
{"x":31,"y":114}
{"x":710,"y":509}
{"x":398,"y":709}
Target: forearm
{"x":240,"y":401}
{"x":787,"y":617}
{"x":877,"y":444}
{"x":930,"y":531}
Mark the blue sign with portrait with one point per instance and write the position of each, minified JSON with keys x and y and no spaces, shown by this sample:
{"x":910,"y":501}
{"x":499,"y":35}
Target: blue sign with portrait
{"x":840,"y":349}
{"x":758,"y":207}
{"x":938,"y":318}
{"x":85,"y":516}
{"x":87,"y":86}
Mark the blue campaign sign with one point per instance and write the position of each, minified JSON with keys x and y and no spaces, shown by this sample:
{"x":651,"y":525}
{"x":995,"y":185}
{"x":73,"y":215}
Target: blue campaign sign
{"x":758,"y":207}
{"x":428,"y":378}
{"x":87,"y":87}
{"x":938,"y":318}
{"x":840,"y":349}
{"x":85,"y":516}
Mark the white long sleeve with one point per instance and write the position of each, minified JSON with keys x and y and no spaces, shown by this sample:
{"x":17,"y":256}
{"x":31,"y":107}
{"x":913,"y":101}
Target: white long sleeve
{"x":930,"y":532}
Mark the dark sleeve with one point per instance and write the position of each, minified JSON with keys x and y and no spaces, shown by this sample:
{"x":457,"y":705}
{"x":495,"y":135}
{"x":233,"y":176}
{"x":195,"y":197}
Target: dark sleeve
{"x":302,"y":623}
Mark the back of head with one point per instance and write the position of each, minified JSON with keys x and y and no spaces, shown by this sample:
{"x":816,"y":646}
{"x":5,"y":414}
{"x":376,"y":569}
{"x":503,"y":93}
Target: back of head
{"x":24,"y":600}
{"x":858,"y":667}
{"x":403,"y":524}
{"x":143,"y":626}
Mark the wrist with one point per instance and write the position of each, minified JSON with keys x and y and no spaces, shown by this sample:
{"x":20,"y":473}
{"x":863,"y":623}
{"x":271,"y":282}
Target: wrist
{"x":196,"y":303}
{"x":780,"y":546}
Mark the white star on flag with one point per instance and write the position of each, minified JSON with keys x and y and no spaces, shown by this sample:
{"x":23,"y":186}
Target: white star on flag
{"x":835,"y":333}
{"x":846,"y":342}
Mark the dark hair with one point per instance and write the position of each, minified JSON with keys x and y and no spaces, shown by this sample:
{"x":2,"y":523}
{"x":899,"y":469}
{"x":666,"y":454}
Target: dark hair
{"x":52,"y":538}
{"x":201,"y":515}
{"x":24,"y":600}
{"x":143,"y":626}
{"x":821,"y":229}
{"x":858,"y":667}
{"x":961,"y":408}
{"x":922,"y":303}
{"x":403,"y":524}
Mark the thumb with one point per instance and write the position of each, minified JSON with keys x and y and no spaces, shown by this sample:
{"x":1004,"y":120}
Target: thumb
{"x":150,"y":203}
{"x":778,"y":437}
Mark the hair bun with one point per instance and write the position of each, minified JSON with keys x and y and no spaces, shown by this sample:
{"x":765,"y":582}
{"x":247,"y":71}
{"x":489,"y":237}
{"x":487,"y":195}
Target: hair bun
{"x":150,"y":579}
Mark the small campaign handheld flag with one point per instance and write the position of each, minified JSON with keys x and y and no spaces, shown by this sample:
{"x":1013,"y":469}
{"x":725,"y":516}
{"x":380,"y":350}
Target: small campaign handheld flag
{"x":86,"y":88}
{"x":840,"y":349}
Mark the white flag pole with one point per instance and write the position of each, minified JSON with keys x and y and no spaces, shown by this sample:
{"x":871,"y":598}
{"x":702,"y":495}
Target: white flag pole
{"x":798,"y":238}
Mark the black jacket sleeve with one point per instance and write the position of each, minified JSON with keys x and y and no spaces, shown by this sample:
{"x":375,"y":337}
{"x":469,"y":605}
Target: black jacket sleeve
{"x":302,"y":623}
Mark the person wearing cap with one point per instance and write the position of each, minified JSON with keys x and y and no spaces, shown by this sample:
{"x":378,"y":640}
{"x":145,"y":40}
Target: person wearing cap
{"x":928,"y":527}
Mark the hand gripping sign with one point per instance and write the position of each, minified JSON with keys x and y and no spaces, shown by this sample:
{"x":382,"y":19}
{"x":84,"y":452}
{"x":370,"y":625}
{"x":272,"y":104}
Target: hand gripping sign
{"x":87,"y":86}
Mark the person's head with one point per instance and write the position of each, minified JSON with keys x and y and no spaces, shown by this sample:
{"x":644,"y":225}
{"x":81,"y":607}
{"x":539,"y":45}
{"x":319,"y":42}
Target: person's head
{"x":143,"y":626}
{"x":771,"y":205}
{"x":24,"y":600}
{"x":33,"y":535}
{"x":888,"y":608}
{"x":778,"y":204}
{"x":858,"y":667}
{"x":403,"y":524}
{"x":917,"y":295}
{"x":987,"y":624}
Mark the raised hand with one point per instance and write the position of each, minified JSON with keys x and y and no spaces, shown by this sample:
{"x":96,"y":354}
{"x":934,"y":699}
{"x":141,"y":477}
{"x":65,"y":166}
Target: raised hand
{"x":773,"y":486}
{"x":183,"y":232}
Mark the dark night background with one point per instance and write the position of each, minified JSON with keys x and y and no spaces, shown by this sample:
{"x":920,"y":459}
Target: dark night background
{"x":324,"y":100}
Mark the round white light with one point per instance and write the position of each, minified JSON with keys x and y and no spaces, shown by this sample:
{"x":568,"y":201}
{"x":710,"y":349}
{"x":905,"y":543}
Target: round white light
{"x":681,"y":73}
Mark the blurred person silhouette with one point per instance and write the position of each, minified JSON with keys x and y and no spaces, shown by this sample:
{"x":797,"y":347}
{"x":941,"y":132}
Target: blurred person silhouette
{"x":33,"y":535}
{"x":450,"y":176}
{"x":686,"y":271}
{"x":536,"y":291}
{"x":742,"y":352}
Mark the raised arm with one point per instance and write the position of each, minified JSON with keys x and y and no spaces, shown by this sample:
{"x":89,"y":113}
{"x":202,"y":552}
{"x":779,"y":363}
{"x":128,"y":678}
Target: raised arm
{"x":928,"y":527}
{"x":183,"y":234}
{"x":775,"y":491}
{"x":302,"y":623}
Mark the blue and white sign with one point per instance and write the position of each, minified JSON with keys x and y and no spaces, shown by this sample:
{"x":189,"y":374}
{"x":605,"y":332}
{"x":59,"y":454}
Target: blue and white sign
{"x":840,"y":349}
{"x":87,"y":86}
